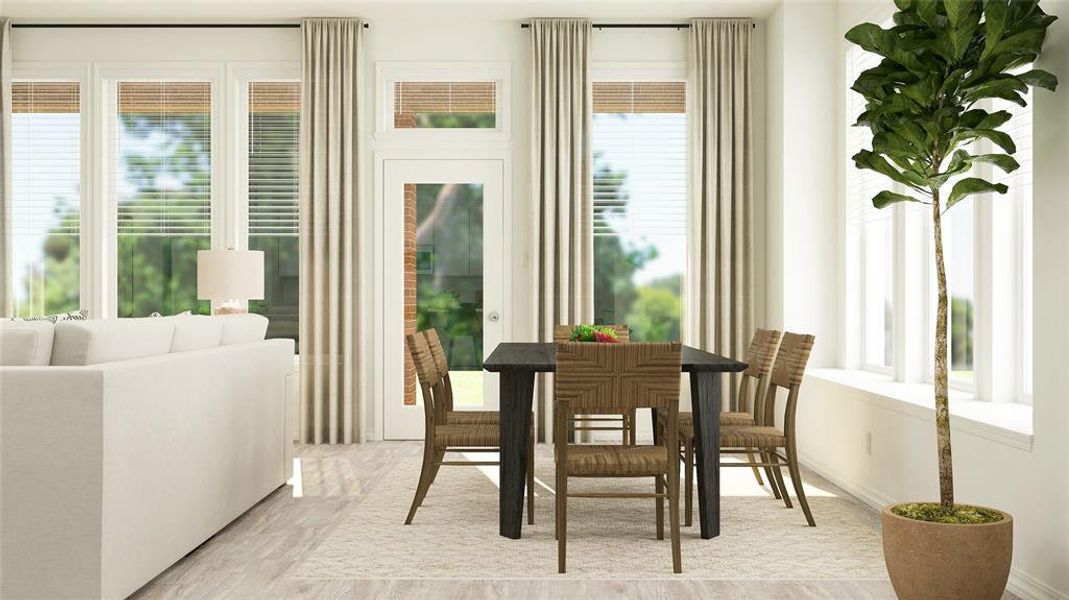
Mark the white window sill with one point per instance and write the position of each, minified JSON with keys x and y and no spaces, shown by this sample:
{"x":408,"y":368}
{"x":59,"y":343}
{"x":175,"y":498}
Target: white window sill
{"x":1008,"y":423}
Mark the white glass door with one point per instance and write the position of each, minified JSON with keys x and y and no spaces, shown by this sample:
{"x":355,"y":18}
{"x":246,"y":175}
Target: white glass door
{"x":443,"y":270}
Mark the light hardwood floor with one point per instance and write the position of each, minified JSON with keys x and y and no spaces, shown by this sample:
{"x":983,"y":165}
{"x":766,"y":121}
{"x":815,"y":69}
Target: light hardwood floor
{"x":252,"y":556}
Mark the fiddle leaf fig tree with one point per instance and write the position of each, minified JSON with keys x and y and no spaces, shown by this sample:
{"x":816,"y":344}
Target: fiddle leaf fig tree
{"x":944,"y":61}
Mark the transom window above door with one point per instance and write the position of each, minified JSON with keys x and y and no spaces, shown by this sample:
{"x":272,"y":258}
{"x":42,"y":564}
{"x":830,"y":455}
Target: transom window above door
{"x":436,"y":102}
{"x":445,"y":105}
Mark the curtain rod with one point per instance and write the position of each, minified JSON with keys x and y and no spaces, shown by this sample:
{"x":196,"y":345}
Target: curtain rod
{"x":161,"y":25}
{"x":636,"y":25}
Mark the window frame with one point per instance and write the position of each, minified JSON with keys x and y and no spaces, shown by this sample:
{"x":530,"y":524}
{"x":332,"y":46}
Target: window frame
{"x":673,"y":71}
{"x":388,"y":73}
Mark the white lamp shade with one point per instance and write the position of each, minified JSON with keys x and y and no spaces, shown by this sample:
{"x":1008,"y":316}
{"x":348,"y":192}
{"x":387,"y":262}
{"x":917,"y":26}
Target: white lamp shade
{"x":230,"y":275}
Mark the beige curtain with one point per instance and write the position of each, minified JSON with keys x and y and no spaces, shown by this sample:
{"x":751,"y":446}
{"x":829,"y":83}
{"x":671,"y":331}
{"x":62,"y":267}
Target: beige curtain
{"x":561,"y":107}
{"x":722,"y":206}
{"x":331,"y":382}
{"x":7,"y":279}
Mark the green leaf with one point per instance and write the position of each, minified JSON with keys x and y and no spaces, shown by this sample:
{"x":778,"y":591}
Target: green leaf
{"x":995,"y":13}
{"x":885,"y":199}
{"x":1008,"y":87}
{"x":1039,"y":78}
{"x":960,"y":10}
{"x":874,"y":162}
{"x":866,"y":35}
{"x":1001,"y":139}
{"x":1007,"y":163}
{"x":928,"y":11}
{"x":994,"y":120}
{"x":970,"y":186}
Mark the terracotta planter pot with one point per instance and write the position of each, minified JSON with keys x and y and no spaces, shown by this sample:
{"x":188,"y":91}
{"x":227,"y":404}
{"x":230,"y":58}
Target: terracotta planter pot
{"x":941,"y":561}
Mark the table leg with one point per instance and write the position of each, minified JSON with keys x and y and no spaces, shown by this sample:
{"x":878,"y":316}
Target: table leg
{"x":705,"y":404}
{"x":517,"y":394}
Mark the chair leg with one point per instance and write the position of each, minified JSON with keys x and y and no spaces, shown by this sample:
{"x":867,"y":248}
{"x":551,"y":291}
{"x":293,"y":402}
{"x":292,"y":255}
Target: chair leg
{"x":426,"y":476}
{"x":633,"y":427}
{"x":659,"y":485}
{"x":778,"y":472}
{"x":688,"y":480}
{"x":756,"y":473}
{"x":796,"y":479}
{"x":673,"y":518}
{"x":562,"y":520}
{"x":768,"y":475}
{"x":530,"y":478}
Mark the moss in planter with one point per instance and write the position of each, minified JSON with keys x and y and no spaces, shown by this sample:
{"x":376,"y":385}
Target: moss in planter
{"x":961,"y":514}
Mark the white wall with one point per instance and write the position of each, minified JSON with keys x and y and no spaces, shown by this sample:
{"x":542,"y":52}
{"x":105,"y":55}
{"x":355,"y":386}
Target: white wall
{"x":802,"y":240}
{"x":834,"y":420}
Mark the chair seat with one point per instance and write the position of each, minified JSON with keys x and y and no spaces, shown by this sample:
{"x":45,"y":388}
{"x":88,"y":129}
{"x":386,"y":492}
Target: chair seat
{"x":727,"y":419}
{"x":752,"y":437}
{"x":467,"y":434}
{"x":616,"y":461}
{"x":461,"y":417}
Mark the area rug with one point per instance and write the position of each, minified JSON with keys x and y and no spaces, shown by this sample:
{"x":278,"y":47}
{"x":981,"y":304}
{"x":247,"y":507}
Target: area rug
{"x":455,"y":535}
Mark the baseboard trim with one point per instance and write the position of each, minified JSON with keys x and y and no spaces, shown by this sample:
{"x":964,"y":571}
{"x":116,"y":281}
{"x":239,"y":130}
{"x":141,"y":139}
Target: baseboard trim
{"x":1020,"y":584}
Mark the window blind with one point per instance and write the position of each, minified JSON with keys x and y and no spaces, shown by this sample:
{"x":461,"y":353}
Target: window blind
{"x":640,"y":145}
{"x":163,"y":160}
{"x":861,"y":184}
{"x":274,"y":125}
{"x":45,"y":157}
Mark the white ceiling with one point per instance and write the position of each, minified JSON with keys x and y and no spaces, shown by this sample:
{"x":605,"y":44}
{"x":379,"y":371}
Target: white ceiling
{"x":267,"y":10}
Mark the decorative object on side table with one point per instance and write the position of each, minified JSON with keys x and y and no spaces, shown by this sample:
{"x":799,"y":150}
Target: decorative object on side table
{"x":594,"y":333}
{"x":229,"y":278}
{"x":924,"y":105}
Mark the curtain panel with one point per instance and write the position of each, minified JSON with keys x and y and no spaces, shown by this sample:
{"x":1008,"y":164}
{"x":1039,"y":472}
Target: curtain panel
{"x":561,"y":107}
{"x":7,"y":277}
{"x":332,"y":87}
{"x":721,"y":211}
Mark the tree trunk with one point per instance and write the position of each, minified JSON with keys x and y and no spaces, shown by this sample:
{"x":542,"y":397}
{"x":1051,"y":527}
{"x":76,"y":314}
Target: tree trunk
{"x":942,"y":409}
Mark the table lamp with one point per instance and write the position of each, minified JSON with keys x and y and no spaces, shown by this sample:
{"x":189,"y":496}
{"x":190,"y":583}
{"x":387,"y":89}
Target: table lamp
{"x":229,"y":278}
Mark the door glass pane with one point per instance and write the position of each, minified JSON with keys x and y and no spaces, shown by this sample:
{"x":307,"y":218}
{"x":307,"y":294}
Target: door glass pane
{"x":443,"y":280}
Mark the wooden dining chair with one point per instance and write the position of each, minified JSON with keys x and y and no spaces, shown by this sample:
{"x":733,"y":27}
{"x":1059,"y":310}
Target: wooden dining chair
{"x":595,"y":378}
{"x":752,"y":385}
{"x":447,"y":430}
{"x":767,"y":438}
{"x":624,"y":423}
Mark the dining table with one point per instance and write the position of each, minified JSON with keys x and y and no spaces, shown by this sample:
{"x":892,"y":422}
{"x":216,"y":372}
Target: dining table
{"x":518,"y":363}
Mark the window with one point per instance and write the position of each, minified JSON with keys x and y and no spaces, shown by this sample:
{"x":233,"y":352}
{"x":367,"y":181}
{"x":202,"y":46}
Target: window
{"x":445,"y":105}
{"x":274,"y":121}
{"x":640,"y":201}
{"x":890,"y":278}
{"x":45,"y":207}
{"x":162,"y":160}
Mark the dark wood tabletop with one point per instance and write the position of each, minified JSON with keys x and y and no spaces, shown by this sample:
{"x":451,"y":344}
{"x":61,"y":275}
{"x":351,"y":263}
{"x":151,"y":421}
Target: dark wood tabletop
{"x":541,"y":357}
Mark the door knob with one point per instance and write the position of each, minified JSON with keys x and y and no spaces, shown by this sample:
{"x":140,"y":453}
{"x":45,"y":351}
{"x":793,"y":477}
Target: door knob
{"x":494,"y":317}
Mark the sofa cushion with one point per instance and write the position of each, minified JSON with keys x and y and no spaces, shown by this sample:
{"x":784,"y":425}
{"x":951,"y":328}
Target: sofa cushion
{"x":241,"y":329}
{"x":97,"y":341}
{"x":26,"y":343}
{"x":195,"y":332}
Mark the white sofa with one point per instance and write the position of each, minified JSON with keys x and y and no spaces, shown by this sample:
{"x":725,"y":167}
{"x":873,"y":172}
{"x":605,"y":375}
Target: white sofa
{"x":133,"y":443}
